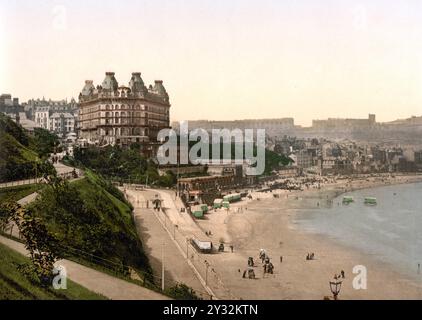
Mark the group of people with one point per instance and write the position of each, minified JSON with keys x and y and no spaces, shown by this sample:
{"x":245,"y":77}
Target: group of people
{"x":262,"y":255}
{"x":268,"y":266}
{"x":55,"y":159}
{"x":266,"y":262}
{"x":250,"y":272}
{"x":240,"y":209}
{"x":221,"y":247}
{"x":310,"y":256}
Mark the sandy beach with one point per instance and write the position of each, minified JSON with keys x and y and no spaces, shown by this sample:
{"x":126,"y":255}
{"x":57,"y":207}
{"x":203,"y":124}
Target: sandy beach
{"x":268,"y":223}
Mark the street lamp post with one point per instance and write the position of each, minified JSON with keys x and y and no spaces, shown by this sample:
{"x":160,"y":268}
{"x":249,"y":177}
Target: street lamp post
{"x":206,"y":272}
{"x":177,"y":182}
{"x":162,"y":268}
{"x":187,"y":247}
{"x":335,"y":287}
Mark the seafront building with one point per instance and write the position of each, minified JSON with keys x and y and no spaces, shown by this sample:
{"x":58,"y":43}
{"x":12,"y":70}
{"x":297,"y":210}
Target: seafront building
{"x":113,"y":114}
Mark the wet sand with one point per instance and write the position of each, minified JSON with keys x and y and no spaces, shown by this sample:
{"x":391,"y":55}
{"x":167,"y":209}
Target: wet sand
{"x":268,"y":223}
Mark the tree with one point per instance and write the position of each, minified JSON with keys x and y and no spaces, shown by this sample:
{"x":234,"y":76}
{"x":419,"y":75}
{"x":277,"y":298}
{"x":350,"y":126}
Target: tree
{"x":43,"y":247}
{"x":182,"y":292}
{"x":45,"y":142}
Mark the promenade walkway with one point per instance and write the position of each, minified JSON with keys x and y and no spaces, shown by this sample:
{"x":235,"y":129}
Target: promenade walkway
{"x":96,"y":281}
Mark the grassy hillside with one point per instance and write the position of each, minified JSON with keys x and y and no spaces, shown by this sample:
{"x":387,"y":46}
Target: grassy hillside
{"x":15,"y":286}
{"x":22,"y":156}
{"x":93,"y":222}
{"x":18,"y":192}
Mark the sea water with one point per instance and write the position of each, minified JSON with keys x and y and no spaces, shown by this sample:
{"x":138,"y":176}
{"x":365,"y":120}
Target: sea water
{"x":390,"y":231}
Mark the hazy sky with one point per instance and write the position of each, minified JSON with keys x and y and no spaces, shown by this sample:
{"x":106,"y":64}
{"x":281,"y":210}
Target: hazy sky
{"x":306,"y":59}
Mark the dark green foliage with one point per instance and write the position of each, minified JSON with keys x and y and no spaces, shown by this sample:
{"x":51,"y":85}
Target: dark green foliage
{"x":41,"y":244}
{"x":23,"y":156}
{"x":7,"y":126}
{"x":182,"y":292}
{"x":168,"y":180}
{"x":44,"y":142}
{"x":273,"y":161}
{"x":122,"y":164}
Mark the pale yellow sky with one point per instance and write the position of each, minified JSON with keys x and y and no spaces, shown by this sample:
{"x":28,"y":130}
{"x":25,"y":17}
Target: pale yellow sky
{"x":224,"y":59}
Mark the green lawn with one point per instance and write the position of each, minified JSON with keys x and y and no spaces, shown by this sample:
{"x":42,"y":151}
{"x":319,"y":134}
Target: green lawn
{"x":15,"y":286}
{"x":18,"y":192}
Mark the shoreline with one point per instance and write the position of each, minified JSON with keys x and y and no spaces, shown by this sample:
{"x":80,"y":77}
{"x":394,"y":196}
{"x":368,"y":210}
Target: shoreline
{"x":268,"y":223}
{"x":333,"y":194}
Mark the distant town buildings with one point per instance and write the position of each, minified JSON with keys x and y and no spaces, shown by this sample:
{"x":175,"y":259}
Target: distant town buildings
{"x":343,"y":124}
{"x":58,"y":116}
{"x":325,"y":156}
{"x":302,"y":158}
{"x":62,"y":122}
{"x":41,"y":117}
{"x":53,"y":106}
{"x":9,"y":105}
{"x":113,"y":114}
{"x":272,"y":126}
{"x":205,"y":188}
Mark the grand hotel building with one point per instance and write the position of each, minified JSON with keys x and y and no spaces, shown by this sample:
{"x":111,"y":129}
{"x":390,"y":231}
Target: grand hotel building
{"x":113,"y":114}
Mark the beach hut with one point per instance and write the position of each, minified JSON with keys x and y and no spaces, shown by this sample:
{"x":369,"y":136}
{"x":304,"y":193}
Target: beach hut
{"x":226,"y":198}
{"x":347,"y":199}
{"x":370,"y":200}
{"x":236,"y":197}
{"x":225,"y":204}
{"x":197,"y":212}
{"x":204,"y":208}
{"x":218,"y":203}
{"x":232,"y":197}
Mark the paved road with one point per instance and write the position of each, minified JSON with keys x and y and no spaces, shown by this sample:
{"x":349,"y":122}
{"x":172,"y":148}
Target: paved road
{"x":155,"y":239}
{"x":108,"y":286}
{"x":187,"y":228}
{"x":61,"y":171}
{"x":28,"y":199}
{"x":20,"y":182}
{"x":12,"y":229}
